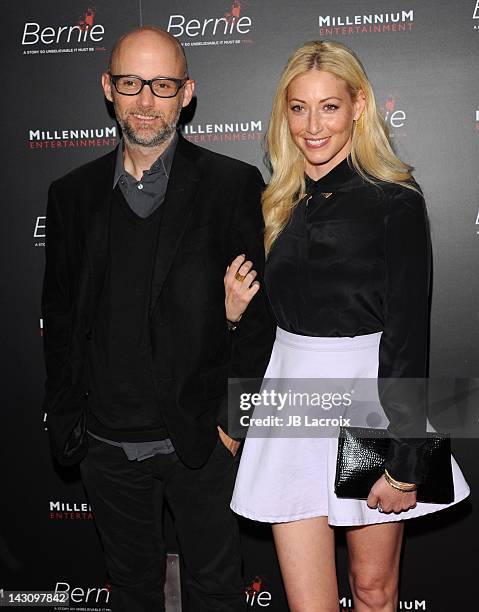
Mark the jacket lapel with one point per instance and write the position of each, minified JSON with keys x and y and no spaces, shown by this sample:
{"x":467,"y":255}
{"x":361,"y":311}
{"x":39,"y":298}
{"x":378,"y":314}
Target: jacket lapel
{"x":178,"y":206}
{"x":97,"y":234}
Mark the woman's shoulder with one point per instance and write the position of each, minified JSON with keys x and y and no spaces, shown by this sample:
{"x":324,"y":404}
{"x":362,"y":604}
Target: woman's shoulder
{"x":397,"y":196}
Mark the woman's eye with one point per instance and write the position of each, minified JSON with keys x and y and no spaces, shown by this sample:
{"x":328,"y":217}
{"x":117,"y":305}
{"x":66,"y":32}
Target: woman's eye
{"x":331,"y":107}
{"x":297,"y":108}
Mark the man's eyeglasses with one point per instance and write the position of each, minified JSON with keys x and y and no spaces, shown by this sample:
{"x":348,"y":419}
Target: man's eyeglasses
{"x":131,"y":85}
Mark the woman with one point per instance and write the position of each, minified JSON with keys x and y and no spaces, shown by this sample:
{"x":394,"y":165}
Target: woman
{"x":347,"y":274}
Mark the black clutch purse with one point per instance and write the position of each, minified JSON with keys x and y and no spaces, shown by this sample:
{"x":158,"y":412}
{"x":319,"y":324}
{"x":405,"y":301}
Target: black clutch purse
{"x":360,"y":462}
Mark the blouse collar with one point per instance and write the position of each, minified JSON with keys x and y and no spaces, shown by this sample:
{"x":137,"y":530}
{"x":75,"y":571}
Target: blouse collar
{"x":337,"y":178}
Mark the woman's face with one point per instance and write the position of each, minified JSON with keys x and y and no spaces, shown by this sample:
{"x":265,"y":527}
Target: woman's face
{"x":320,"y":118}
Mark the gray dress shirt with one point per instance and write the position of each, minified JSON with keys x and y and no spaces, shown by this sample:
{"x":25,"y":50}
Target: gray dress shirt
{"x":144,"y":196}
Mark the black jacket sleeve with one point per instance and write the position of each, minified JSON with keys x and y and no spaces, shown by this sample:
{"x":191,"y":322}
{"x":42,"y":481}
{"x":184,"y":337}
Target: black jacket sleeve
{"x":404,"y":342}
{"x":56,"y":301}
{"x":252,"y":341}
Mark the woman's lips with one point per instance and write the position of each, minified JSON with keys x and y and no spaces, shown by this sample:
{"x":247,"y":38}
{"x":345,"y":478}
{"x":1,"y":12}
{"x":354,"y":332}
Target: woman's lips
{"x":316,"y":143}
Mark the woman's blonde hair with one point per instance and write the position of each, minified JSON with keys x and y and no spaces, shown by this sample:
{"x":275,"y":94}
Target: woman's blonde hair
{"x":371,"y":154}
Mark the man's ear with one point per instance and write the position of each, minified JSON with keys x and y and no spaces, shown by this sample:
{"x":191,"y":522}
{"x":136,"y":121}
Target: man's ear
{"x":189,"y":88}
{"x":106,"y":84}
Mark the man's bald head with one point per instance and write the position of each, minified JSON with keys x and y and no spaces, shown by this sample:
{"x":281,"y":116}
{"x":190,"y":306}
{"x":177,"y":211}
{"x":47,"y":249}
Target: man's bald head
{"x":148,"y":39}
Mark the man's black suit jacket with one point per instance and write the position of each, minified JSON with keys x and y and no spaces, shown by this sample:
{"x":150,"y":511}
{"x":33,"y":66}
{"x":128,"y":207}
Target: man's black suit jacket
{"x":211,"y":214}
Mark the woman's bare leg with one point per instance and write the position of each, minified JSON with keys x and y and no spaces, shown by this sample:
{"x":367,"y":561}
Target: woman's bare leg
{"x":307,"y":559}
{"x":374,"y":555}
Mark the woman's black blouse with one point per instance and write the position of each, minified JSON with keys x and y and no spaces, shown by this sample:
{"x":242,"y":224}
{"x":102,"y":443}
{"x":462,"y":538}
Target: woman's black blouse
{"x":358,"y":262}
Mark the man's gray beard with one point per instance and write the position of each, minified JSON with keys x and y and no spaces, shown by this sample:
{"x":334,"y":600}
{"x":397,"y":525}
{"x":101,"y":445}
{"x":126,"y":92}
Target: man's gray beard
{"x":165,"y":131}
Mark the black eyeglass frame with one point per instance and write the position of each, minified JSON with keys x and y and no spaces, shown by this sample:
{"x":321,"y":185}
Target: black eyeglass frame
{"x":179,"y":84}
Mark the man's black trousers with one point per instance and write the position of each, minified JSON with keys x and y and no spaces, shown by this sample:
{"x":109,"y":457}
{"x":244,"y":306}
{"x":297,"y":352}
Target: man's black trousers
{"x":128,"y":498}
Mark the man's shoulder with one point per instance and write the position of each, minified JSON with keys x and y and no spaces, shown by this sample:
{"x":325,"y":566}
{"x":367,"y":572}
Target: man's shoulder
{"x":99,"y":169}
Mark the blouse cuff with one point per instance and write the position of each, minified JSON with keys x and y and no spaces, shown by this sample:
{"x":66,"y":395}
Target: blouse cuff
{"x":405,"y":461}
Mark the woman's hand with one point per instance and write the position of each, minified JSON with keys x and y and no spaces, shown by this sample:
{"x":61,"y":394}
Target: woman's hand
{"x":387,"y":499}
{"x":240,"y":287}
{"x":231,"y":444}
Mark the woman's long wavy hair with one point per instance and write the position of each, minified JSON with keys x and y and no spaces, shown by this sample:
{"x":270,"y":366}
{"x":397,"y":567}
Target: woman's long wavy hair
{"x":371,"y":154}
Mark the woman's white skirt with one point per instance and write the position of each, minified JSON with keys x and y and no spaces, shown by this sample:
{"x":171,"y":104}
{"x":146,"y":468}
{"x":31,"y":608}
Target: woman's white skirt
{"x":283,"y":478}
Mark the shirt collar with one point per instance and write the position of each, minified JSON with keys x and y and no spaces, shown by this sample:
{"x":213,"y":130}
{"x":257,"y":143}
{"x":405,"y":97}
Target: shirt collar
{"x":162,"y":164}
{"x":336,"y":178}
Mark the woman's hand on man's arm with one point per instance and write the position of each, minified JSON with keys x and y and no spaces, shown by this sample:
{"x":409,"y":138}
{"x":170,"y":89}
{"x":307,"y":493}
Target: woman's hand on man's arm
{"x":240,"y":287}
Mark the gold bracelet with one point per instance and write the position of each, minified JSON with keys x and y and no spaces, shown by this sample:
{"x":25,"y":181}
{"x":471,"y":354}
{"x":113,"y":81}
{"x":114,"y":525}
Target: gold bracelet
{"x":406,"y":487}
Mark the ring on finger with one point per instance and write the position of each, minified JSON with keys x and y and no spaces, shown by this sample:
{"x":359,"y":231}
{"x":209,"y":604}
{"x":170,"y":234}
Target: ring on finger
{"x":240,"y":277}
{"x":380,"y":509}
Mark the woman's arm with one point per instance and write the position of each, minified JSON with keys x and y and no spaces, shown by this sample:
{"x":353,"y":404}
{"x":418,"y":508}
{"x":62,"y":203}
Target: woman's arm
{"x":403,"y":349}
{"x":404,"y":342}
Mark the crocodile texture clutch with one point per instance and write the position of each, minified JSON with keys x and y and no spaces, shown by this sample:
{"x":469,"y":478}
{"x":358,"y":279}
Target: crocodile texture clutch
{"x":360,"y":462}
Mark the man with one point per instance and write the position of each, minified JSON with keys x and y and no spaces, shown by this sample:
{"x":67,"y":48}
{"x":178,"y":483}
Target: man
{"x":137,"y":346}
